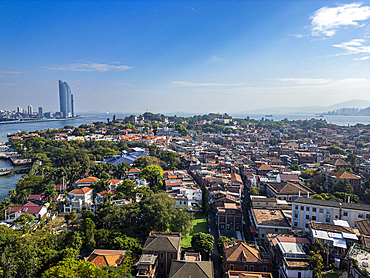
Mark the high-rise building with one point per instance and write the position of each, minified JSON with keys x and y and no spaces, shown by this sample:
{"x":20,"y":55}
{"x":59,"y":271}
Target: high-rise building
{"x":30,"y":110}
{"x":19,"y":109}
{"x":65,"y":100}
{"x":41,"y":112}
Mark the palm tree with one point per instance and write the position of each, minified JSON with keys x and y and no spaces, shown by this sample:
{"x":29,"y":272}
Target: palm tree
{"x":49,"y":192}
{"x":5,"y":205}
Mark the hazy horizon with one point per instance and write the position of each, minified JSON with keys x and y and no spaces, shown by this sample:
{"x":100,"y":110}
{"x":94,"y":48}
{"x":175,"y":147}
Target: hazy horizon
{"x":191,"y":56}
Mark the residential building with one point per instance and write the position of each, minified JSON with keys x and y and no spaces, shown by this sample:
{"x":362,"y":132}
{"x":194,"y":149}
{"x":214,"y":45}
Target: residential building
{"x":230,"y":217}
{"x":241,"y":256}
{"x":100,"y":257}
{"x":267,"y":221}
{"x":289,"y":255}
{"x":78,"y":199}
{"x":189,"y":269}
{"x":168,"y":248}
{"x":147,"y":266}
{"x":305,"y":210}
{"x":332,"y":178}
{"x":37,"y":211}
{"x":247,"y":274}
{"x":287,"y":190}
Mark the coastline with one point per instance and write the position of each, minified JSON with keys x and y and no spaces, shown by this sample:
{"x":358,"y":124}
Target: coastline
{"x":44,"y":120}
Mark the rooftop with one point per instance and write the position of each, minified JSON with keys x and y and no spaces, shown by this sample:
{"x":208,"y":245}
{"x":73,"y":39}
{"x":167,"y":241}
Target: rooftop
{"x":266,"y":217}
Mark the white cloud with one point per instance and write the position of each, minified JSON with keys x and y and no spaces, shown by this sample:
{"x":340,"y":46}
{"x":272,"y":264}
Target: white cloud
{"x":215,"y":60}
{"x":362,"y":58}
{"x":89,"y":66}
{"x":353,"y":47}
{"x":192,"y":84}
{"x":14,"y":72}
{"x":306,"y":81}
{"x":326,"y":21}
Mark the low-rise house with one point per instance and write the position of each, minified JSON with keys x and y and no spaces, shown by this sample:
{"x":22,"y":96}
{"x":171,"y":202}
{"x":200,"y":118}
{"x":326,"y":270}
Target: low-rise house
{"x":266,"y":221}
{"x":305,"y":210}
{"x":181,"y":201}
{"x":332,"y":178}
{"x":289,"y":255}
{"x":78,"y":199}
{"x":191,"y":269}
{"x":287,"y":190}
{"x":86,"y":182}
{"x":100,"y":197}
{"x":101,"y":257}
{"x":241,"y":256}
{"x":230,"y":217}
{"x":37,"y":211}
{"x":147,"y":266}
{"x":40,"y":199}
{"x":359,"y":256}
{"x":247,"y":274}
{"x":166,"y":246}
{"x":337,"y":239}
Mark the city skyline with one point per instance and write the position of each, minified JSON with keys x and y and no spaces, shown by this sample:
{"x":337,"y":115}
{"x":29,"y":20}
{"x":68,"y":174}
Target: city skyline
{"x":195,"y":57}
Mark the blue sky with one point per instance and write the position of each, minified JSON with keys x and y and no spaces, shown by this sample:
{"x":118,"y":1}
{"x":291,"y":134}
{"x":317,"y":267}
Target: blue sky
{"x":195,"y":57}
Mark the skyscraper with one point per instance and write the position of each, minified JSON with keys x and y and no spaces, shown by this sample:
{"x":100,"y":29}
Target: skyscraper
{"x":65,"y":100}
{"x":41,"y":112}
{"x":30,"y":110}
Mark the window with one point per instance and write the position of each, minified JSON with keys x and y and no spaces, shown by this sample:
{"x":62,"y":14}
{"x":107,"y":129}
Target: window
{"x":296,"y":207}
{"x":295,"y":224}
{"x":161,"y":265}
{"x":231,"y":267}
{"x":307,"y":208}
{"x":302,"y":208}
{"x":306,"y":225}
{"x":314,"y":209}
{"x":360,"y":216}
{"x":367,"y":216}
{"x":314,"y":218}
{"x":345,"y":213}
{"x":265,"y":269}
{"x":307,"y":217}
{"x":161,"y":255}
{"x":251,"y":268}
{"x":171,"y":256}
{"x":321,"y":210}
{"x":245,"y":268}
{"x":336,"y":217}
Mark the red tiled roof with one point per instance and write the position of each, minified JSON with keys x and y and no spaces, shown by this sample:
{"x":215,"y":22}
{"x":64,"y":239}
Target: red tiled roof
{"x":88,"y":180}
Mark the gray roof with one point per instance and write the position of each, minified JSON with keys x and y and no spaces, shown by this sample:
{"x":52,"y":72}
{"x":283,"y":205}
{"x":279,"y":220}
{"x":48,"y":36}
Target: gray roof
{"x":162,"y":243}
{"x":333,"y":204}
{"x":129,"y":158}
{"x":185,"y":269}
{"x":148,"y":259}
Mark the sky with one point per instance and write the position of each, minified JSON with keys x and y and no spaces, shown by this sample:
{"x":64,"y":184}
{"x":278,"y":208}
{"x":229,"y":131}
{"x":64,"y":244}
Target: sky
{"x":183,"y":56}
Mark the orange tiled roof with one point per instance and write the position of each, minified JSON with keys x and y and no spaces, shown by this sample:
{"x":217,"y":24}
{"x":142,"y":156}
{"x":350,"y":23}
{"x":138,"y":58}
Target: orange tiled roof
{"x":88,"y":180}
{"x":106,"y":257}
{"x":83,"y":190}
{"x":345,"y":175}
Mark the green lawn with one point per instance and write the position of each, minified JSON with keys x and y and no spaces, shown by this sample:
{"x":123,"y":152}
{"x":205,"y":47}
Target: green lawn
{"x":199,"y":225}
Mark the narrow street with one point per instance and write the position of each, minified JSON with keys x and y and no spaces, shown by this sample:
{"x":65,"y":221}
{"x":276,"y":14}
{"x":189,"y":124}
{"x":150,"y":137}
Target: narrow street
{"x":215,"y":257}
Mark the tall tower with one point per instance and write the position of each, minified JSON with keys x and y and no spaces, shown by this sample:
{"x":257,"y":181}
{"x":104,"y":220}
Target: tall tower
{"x":63,"y":99}
{"x":30,"y":110}
{"x":41,"y":112}
{"x":73,"y":106}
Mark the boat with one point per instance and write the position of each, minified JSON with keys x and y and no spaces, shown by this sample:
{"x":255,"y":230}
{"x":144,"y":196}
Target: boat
{"x":4,"y":172}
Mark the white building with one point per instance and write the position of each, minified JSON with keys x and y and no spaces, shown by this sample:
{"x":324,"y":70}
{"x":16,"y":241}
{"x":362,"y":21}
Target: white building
{"x":78,"y":199}
{"x":305,"y":210}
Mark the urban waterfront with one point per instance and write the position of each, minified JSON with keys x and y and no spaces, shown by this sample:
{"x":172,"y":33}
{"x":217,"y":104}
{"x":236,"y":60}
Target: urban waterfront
{"x":9,"y":182}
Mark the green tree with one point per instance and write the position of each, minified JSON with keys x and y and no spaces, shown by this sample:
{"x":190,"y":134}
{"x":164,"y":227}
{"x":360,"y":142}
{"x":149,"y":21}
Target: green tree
{"x":89,"y":230}
{"x":154,"y":175}
{"x":71,"y":268}
{"x":333,"y":149}
{"x":352,"y":159}
{"x":202,"y":243}
{"x":145,"y":161}
{"x":220,"y":243}
{"x":181,"y":129}
{"x":255,"y":190}
{"x":4,"y":206}
{"x":343,"y":185}
{"x":205,"y":201}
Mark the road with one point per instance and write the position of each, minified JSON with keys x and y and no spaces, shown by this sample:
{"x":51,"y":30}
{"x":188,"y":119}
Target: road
{"x":215,"y":257}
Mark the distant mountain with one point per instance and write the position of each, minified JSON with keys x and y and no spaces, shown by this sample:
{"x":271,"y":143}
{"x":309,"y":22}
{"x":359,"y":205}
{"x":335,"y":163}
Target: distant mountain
{"x":365,"y":112}
{"x":355,"y":103}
